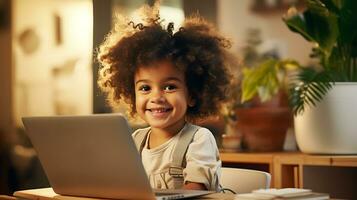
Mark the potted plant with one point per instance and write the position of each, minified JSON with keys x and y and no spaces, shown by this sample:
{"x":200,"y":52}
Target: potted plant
{"x":324,"y":100}
{"x":260,"y":108}
{"x":264,"y":124}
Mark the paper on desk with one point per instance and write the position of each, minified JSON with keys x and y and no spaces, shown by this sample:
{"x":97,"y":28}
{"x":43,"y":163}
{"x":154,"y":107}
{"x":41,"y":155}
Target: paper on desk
{"x":36,"y":194}
{"x":254,"y":196}
{"x":285,"y":192}
{"x":251,"y":196}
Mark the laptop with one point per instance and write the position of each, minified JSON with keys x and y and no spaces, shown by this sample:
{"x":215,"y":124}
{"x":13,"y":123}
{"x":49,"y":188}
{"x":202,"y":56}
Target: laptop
{"x":93,"y":156}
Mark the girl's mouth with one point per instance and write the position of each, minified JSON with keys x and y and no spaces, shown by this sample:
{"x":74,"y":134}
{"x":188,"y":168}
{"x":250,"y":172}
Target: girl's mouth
{"x":159,"y":112}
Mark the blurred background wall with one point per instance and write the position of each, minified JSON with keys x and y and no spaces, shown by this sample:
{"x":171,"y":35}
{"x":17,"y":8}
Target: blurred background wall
{"x":52,"y":53}
{"x":46,"y":69}
{"x":235,"y":18}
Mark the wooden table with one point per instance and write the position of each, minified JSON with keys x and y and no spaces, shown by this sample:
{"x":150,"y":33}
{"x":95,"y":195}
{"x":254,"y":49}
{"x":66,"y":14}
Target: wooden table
{"x":286,"y":168}
{"x":49,"y":194}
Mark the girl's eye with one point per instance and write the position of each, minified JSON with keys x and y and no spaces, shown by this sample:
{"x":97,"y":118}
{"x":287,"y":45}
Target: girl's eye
{"x":170,"y":87}
{"x":144,"y":88}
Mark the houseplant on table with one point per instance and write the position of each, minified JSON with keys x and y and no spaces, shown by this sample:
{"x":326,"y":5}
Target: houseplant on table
{"x":324,"y":100}
{"x":260,"y":108}
{"x":265,"y":123}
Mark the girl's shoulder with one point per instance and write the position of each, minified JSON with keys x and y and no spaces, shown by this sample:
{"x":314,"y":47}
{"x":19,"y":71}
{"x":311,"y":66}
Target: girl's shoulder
{"x":139,"y":136}
{"x":203,"y":143}
{"x":140,"y":131}
{"x":203,"y":133}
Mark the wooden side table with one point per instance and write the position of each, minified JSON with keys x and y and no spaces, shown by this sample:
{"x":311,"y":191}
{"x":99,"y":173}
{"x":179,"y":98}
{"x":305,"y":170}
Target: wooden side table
{"x":286,"y":168}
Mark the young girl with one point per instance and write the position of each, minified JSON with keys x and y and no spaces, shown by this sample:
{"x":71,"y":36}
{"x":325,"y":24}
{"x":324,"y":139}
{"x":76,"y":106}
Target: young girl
{"x":169,"y":80}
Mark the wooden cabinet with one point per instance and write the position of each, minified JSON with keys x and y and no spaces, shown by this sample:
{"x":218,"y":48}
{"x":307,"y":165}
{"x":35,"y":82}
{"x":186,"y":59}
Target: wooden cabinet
{"x":286,"y":168}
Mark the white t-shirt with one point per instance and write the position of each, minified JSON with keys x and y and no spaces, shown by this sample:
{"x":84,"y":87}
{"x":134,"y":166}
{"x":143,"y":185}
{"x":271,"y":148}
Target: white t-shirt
{"x":202,"y":161}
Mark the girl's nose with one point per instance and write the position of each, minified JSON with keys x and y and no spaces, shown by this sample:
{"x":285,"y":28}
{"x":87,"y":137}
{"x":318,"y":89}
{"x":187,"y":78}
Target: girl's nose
{"x":157,"y":97}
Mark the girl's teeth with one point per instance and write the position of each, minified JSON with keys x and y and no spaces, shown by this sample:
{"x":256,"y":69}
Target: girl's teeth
{"x":158,"y":110}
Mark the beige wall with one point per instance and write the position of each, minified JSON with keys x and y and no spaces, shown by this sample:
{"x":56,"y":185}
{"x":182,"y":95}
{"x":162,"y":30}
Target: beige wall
{"x":235,"y":17}
{"x":37,"y":90}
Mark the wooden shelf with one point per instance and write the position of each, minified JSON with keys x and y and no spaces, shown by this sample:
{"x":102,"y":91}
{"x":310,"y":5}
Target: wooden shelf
{"x":286,"y":168}
{"x":247,"y":157}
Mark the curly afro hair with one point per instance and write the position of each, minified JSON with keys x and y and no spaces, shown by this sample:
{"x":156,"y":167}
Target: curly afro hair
{"x":196,"y":49}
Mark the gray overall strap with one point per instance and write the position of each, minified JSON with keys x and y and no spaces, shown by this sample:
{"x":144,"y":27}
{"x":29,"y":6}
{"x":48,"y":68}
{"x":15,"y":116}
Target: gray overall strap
{"x":179,"y":160}
{"x":140,"y":138}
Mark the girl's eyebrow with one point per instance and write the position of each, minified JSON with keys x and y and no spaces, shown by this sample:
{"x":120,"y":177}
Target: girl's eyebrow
{"x":142,"y":80}
{"x":165,"y":80}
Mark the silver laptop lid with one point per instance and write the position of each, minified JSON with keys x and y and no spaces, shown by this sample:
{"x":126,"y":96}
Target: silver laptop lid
{"x":90,"y":156}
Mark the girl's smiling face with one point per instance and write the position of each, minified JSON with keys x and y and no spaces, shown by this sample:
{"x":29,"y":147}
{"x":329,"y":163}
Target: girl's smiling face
{"x":161,"y":95}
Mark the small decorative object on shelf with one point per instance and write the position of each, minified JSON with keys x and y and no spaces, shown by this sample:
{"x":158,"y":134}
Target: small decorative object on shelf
{"x":231,"y":142}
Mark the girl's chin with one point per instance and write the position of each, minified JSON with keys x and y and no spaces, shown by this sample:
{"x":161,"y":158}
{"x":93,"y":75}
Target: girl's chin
{"x":157,"y":124}
{"x":172,"y":125}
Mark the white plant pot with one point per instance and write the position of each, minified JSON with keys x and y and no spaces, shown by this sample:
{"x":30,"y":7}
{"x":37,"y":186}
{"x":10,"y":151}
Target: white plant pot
{"x":331,"y":126}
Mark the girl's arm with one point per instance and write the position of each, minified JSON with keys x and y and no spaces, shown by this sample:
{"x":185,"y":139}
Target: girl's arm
{"x":203,"y":163}
{"x":194,"y":186}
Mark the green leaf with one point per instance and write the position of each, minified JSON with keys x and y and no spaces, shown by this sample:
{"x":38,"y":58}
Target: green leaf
{"x":318,"y":90}
{"x":316,"y":24}
{"x":315,"y":93}
{"x":298,"y":24}
{"x":348,"y":21}
{"x":261,"y":80}
{"x":333,"y":5}
{"x":313,"y":86}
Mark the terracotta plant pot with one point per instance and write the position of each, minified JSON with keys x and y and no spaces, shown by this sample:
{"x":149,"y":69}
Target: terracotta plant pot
{"x":263,"y":128}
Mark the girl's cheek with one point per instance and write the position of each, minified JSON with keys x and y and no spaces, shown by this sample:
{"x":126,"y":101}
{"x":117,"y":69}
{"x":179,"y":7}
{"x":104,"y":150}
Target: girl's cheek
{"x":139,"y":103}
